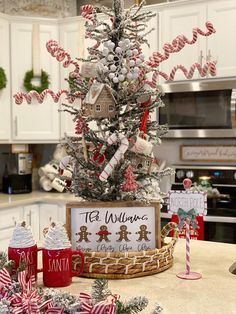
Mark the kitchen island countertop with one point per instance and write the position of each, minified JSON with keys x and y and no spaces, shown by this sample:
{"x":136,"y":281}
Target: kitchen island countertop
{"x":215,"y":293}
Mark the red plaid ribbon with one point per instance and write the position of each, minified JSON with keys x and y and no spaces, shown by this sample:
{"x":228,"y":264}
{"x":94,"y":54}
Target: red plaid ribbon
{"x":102,"y":307}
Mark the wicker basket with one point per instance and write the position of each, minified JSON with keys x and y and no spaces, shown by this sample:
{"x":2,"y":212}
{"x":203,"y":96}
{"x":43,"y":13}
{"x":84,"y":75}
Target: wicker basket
{"x":124,"y":265}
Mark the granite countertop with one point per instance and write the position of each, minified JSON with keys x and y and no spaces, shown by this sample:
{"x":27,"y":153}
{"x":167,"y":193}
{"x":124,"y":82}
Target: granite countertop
{"x":12,"y":200}
{"x":215,"y":293}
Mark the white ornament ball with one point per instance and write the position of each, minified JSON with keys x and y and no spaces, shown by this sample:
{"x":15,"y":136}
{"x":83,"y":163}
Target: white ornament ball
{"x":111,"y":75}
{"x":142,"y":56}
{"x":129,"y":76}
{"x":110,"y":57}
{"x":124,"y":71}
{"x":105,"y":51}
{"x":118,"y":50}
{"x":132,"y":63}
{"x":135,"y":75}
{"x":127,"y":41}
{"x":121,"y":43}
{"x":113,"y":68}
{"x":111,"y":45}
{"x":138,"y":61}
{"x":135,"y":52}
{"x":136,"y":69}
{"x":115,"y":80}
{"x":105,"y":68}
{"x":121,"y":77}
{"x":103,"y":61}
{"x":129,"y":53}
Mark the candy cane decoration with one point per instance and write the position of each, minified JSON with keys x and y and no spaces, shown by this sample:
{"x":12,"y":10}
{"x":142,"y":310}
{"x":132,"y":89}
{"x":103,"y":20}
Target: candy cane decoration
{"x":178,"y":44}
{"x":209,"y":66}
{"x":113,"y":139}
{"x":187,"y":223}
{"x":21,"y":96}
{"x":87,"y":13}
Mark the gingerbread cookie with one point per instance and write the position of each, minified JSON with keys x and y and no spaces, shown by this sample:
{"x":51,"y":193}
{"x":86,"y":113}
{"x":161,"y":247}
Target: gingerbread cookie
{"x":143,"y":233}
{"x":103,"y":234}
{"x":123,"y":234}
{"x":83,"y":234}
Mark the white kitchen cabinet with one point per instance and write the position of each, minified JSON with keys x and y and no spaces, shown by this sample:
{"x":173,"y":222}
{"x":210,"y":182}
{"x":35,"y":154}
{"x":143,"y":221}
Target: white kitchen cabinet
{"x":5,"y":98}
{"x":35,"y":122}
{"x":9,"y":218}
{"x":48,"y":213}
{"x":180,"y":20}
{"x":72,"y":40}
{"x":220,"y":46}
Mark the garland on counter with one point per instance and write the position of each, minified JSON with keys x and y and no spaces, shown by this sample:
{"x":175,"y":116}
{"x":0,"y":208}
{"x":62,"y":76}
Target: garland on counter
{"x":44,"y":80}
{"x":23,"y":296}
{"x":3,"y":79}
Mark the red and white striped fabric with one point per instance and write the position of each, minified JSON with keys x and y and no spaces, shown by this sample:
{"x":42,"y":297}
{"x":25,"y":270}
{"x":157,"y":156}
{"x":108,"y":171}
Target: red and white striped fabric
{"x":5,"y":278}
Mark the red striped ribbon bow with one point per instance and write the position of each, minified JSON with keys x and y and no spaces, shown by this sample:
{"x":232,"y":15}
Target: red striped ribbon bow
{"x":28,"y":300}
{"x":102,"y":307}
{"x":5,"y":278}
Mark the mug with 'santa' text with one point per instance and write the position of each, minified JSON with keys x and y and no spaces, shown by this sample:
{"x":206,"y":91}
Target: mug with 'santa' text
{"x":57,"y":258}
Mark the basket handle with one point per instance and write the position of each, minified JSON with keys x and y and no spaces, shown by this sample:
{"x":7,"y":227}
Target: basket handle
{"x":169,"y":227}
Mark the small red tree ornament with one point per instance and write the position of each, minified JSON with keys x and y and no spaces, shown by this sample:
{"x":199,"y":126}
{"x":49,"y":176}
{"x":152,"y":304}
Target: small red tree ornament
{"x":130,"y":184}
{"x":81,"y":127}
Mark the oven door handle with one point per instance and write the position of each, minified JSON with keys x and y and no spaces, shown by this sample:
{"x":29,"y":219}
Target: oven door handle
{"x":233,"y":109}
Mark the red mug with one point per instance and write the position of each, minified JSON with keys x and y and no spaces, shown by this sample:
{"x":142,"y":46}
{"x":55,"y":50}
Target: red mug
{"x":57,"y":267}
{"x":29,"y":256}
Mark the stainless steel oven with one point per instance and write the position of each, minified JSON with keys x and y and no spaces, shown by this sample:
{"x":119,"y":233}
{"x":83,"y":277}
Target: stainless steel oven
{"x":220,"y":222}
{"x":203,"y":109}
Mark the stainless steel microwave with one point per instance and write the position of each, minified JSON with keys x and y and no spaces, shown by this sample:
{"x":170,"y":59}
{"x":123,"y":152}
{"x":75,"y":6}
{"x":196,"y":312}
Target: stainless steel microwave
{"x":203,"y":108}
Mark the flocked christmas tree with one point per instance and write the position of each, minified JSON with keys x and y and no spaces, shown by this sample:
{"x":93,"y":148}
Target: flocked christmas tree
{"x":118,"y":89}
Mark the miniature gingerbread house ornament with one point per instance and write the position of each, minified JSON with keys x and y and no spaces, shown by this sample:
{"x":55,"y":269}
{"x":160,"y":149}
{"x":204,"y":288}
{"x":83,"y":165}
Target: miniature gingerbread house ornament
{"x":99,"y":102}
{"x":142,"y":163}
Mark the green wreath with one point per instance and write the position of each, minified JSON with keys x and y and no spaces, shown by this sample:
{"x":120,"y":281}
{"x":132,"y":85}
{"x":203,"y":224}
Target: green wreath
{"x":43,"y":80}
{"x":3,"y":79}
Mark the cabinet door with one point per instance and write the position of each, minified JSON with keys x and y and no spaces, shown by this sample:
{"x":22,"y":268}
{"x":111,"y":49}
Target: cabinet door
{"x":180,"y":21}
{"x":35,"y":122}
{"x":72,"y":40}
{"x":31,"y":217}
{"x":5,"y":98}
{"x":47,"y":214}
{"x":9,"y":218}
{"x":222,"y":44}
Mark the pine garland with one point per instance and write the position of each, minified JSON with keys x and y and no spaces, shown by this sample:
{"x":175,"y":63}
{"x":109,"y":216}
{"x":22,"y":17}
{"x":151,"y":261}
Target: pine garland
{"x":3,"y":79}
{"x":44,"y":82}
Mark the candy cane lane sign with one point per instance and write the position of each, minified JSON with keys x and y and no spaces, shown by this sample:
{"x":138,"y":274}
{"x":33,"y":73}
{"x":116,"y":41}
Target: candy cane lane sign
{"x":188,"y":200}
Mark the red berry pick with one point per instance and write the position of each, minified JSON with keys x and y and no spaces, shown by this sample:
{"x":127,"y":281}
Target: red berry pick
{"x":187,"y":183}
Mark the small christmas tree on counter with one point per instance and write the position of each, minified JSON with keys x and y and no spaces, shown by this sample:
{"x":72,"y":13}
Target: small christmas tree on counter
{"x":118,"y":91}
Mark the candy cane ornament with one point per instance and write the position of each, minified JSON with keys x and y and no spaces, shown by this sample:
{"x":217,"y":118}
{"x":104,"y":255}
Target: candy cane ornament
{"x":113,"y":139}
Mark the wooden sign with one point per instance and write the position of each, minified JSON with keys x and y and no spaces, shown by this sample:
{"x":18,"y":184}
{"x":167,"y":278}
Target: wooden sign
{"x":113,"y":226}
{"x":219,"y":153}
{"x":188,"y":200}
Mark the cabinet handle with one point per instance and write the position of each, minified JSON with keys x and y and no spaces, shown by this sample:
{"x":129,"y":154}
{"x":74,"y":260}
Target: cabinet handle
{"x":209,"y":55}
{"x":201,"y":58}
{"x":29,"y":216}
{"x":16,"y":126}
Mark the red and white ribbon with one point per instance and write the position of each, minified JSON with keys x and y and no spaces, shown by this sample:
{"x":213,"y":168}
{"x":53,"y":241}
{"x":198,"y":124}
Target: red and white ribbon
{"x":187,"y":223}
{"x":5,"y":278}
{"x":102,"y":307}
{"x":21,"y":96}
{"x":124,"y":144}
{"x":178,"y":44}
{"x":210,"y":67}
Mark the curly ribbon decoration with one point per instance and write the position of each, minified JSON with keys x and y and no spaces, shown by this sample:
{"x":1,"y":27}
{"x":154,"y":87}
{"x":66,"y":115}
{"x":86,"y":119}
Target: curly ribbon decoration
{"x":113,"y":139}
{"x":105,"y":306}
{"x":21,"y":96}
{"x":5,"y":278}
{"x":183,"y":215}
{"x":178,"y":44}
{"x":209,"y":66}
{"x":87,"y":12}
{"x":60,"y":54}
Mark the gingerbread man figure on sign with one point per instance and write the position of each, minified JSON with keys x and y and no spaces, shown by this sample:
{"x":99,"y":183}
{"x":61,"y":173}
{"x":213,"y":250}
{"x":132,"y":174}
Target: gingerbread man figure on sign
{"x":103,"y":234}
{"x":123,"y":234}
{"x":83,"y":234}
{"x":143,"y":233}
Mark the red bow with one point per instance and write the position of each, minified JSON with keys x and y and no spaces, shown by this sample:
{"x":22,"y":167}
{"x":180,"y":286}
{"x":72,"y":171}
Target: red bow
{"x":102,"y":307}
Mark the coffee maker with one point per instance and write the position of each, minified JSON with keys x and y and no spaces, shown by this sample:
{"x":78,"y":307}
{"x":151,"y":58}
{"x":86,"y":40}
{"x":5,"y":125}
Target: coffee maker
{"x":17,"y":176}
